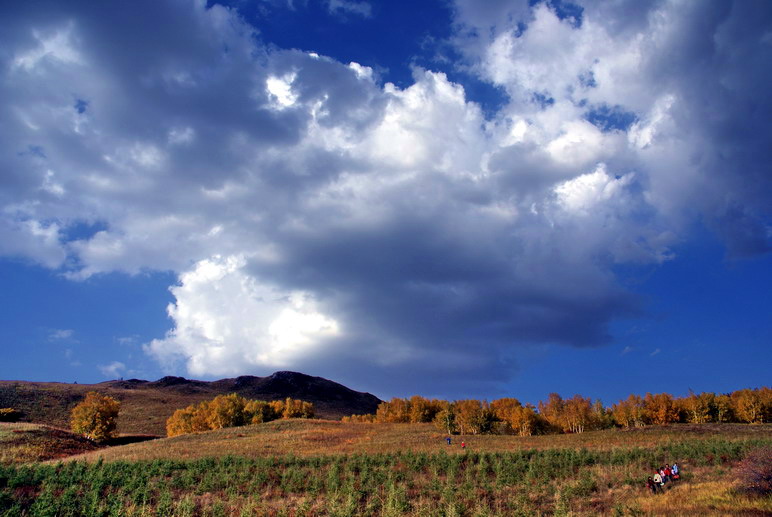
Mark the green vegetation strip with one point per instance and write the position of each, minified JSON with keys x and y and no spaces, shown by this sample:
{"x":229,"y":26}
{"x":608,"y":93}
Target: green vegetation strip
{"x":529,"y":482}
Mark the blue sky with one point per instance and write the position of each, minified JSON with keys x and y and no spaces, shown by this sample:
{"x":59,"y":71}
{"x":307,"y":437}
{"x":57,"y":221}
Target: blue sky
{"x":447,"y":198}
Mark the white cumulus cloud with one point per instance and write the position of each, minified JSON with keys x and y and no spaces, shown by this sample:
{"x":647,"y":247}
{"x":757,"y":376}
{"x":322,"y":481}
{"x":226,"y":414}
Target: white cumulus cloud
{"x":318,"y":217}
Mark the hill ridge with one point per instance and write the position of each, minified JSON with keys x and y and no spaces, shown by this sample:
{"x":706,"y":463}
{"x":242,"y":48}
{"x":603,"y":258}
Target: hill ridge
{"x":145,"y":405}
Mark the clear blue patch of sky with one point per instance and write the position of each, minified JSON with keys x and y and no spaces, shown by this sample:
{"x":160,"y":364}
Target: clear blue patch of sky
{"x":80,"y":106}
{"x":110,"y":316}
{"x":397,"y":37}
{"x":82,"y":230}
{"x":565,"y":10}
{"x":609,"y":118}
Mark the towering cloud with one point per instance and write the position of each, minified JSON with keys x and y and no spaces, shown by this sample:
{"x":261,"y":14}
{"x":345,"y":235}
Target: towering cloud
{"x":318,"y":217}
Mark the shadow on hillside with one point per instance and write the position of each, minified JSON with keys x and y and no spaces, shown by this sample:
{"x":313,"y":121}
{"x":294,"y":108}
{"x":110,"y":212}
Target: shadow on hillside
{"x":132,"y":438}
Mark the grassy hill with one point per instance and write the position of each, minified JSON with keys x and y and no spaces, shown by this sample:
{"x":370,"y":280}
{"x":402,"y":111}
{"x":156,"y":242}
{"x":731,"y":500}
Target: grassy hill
{"x":145,"y":405}
{"x":320,"y":468}
{"x":24,"y":443}
{"x":306,"y":438}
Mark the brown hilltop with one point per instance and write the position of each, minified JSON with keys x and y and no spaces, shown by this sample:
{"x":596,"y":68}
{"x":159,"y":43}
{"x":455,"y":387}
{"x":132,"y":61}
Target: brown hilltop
{"x":145,"y":405}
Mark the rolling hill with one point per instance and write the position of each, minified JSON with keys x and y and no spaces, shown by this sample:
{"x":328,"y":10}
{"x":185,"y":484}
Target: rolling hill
{"x":145,"y":405}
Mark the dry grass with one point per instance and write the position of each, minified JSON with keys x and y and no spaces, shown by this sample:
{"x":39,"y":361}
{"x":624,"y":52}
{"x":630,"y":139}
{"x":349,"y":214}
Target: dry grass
{"x":24,"y":443}
{"x":142,"y":411}
{"x":317,"y":467}
{"x":145,"y":407}
{"x":709,"y":493}
{"x":323,"y":437}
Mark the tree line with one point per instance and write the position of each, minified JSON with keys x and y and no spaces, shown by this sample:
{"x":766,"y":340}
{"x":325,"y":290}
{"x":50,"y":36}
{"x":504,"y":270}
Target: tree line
{"x":573,"y":415}
{"x":232,"y":411}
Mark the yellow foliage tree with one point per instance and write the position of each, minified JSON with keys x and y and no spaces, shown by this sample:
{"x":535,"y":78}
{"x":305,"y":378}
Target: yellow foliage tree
{"x":553,"y":410}
{"x":577,"y":414}
{"x":359,"y":419}
{"x":294,"y":408}
{"x":96,"y":417}
{"x":749,"y":405}
{"x":395,"y":411}
{"x":629,"y":412}
{"x":232,"y":411}
{"x":226,"y":411}
{"x":473,"y":416}
{"x":423,"y":410}
{"x":723,"y":408}
{"x":661,"y":408}
{"x":260,"y":411}
{"x":699,"y":407}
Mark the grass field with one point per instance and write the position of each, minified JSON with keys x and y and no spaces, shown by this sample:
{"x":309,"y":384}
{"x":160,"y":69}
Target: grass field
{"x":321,"y":468}
{"x":324,"y":437}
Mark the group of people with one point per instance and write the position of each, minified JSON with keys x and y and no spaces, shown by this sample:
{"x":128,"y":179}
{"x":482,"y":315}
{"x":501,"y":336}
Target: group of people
{"x":662,"y":476}
{"x":463,"y":443}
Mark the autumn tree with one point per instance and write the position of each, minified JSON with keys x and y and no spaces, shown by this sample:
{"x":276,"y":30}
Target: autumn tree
{"x":96,"y":417}
{"x":699,"y":408}
{"x":359,"y":419}
{"x":294,"y":408}
{"x":445,"y":420}
{"x":660,"y":408}
{"x":630,"y":412}
{"x":260,"y":411}
{"x":473,"y":416}
{"x":504,"y":409}
{"x":577,"y":414}
{"x":397,"y":410}
{"x":525,"y":420}
{"x":602,"y":417}
{"x":724,"y":408}
{"x":552,"y":410}
{"x":423,"y":410}
{"x":234,"y":410}
{"x":226,"y":411}
{"x":748,"y":405}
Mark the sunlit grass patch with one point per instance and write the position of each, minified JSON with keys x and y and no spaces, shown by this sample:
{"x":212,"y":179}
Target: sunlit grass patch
{"x":22,"y":443}
{"x":698,"y":497}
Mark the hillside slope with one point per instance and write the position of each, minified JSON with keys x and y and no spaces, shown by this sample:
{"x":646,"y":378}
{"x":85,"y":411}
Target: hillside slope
{"x":22,"y":443}
{"x":304,"y":438}
{"x":146,"y":405}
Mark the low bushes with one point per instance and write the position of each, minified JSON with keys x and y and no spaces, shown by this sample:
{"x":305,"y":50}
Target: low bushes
{"x":755,"y":472}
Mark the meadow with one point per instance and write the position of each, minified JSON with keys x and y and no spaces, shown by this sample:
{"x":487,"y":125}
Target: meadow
{"x":326,"y":468}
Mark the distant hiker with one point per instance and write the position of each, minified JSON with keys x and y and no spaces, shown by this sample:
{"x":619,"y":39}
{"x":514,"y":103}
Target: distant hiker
{"x":651,"y":485}
{"x":676,"y":472}
{"x":668,"y":473}
{"x":657,"y":478}
{"x":448,"y":440}
{"x":463,"y":445}
{"x":662,"y":475}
